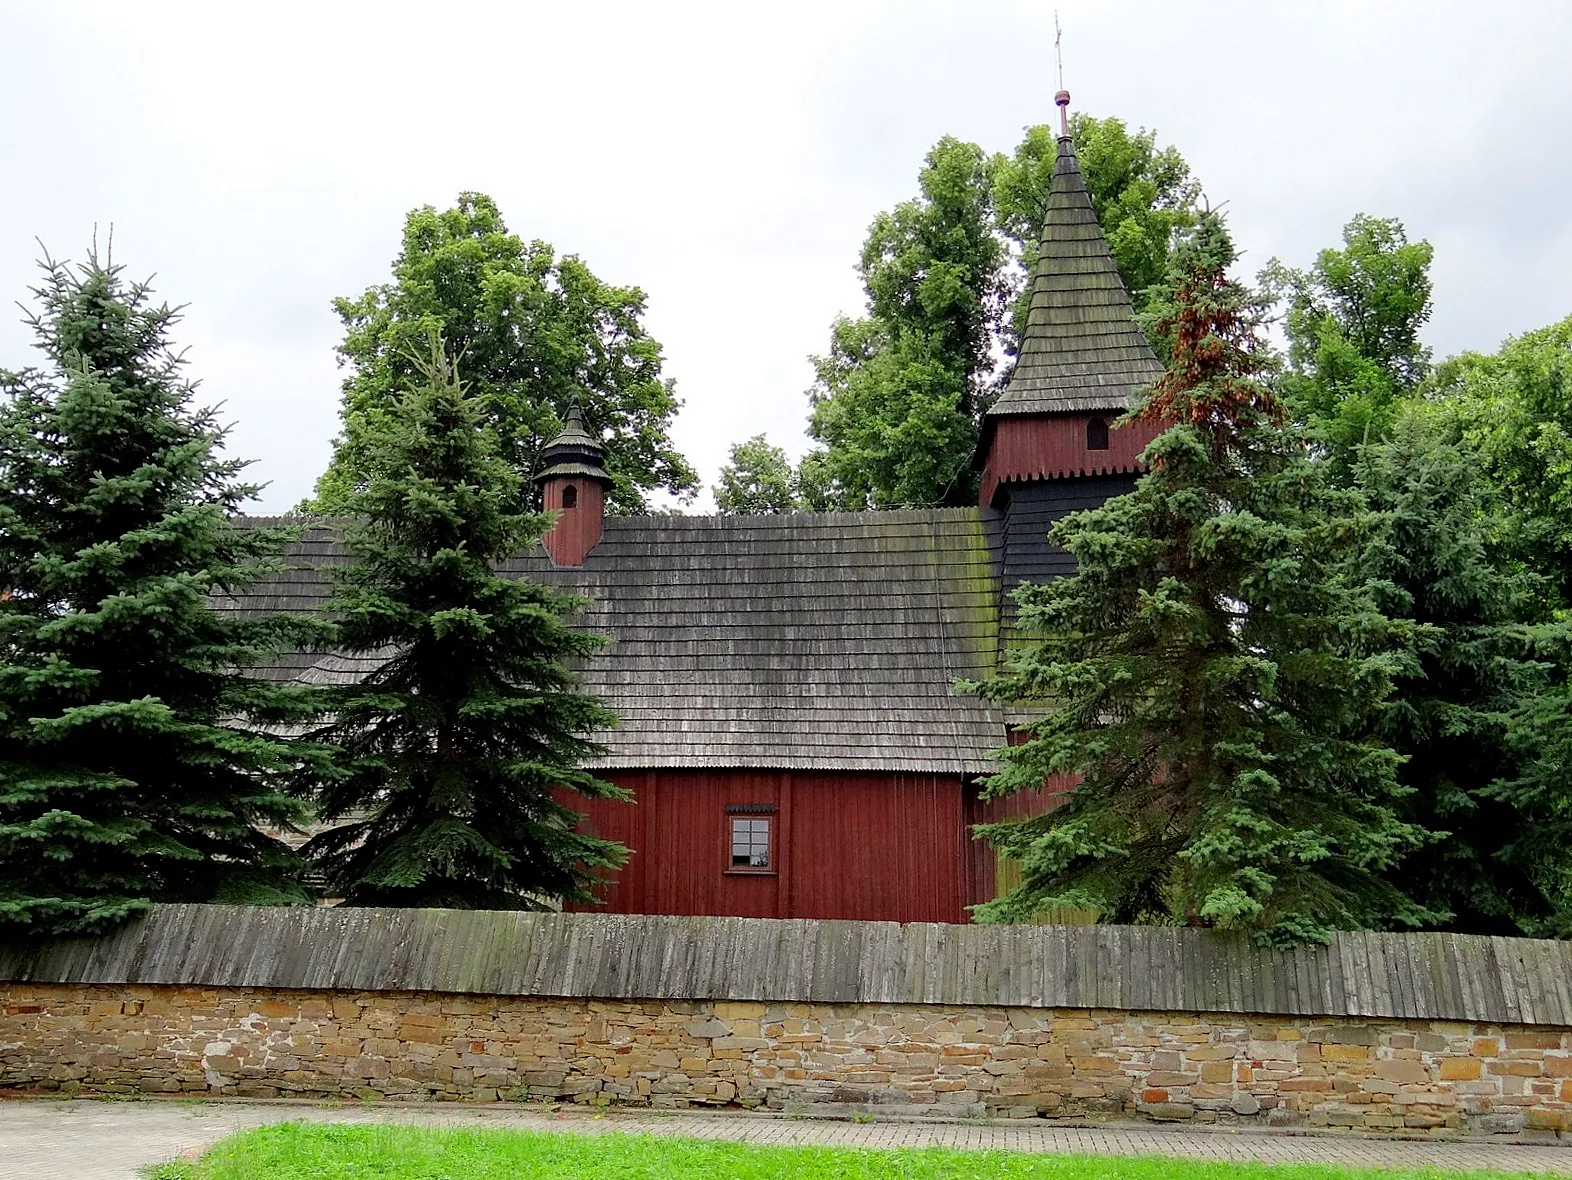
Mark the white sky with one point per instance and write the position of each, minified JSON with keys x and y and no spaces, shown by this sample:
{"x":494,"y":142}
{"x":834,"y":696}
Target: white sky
{"x":728,"y":158}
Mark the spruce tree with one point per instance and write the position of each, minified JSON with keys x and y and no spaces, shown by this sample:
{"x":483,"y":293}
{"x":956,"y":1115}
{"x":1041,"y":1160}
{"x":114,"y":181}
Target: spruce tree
{"x":1210,"y":674}
{"x":451,"y":750}
{"x":125,"y":774}
{"x":1535,"y":785}
{"x":1452,"y":709}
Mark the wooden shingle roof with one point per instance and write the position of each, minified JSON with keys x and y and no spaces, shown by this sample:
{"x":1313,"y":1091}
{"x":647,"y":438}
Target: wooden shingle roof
{"x":810,"y":642}
{"x":1082,"y":350}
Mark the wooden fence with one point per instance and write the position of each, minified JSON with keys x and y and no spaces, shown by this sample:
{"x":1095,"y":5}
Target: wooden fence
{"x":1421,"y":976}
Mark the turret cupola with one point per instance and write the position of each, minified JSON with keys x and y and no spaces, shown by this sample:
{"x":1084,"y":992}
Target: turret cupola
{"x":573,"y":483}
{"x":1083,"y":359}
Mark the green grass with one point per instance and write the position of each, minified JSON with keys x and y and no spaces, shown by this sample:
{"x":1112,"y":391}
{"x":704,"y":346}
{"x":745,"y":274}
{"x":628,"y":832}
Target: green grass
{"x":317,"y":1151}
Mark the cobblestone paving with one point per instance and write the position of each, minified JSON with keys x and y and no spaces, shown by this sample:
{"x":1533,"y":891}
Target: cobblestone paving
{"x":90,"y":1140}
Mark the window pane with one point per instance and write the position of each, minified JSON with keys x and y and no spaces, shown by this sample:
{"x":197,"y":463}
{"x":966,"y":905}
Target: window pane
{"x":750,"y":842}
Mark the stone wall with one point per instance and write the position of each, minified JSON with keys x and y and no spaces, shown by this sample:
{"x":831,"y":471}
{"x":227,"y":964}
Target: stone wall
{"x":1372,"y":1073}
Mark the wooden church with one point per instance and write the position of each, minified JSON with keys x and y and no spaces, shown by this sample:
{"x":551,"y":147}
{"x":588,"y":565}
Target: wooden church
{"x":790,"y":725}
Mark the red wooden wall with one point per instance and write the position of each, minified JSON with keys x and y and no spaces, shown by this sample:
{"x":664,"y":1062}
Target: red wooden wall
{"x":877,"y":846}
{"x":981,"y":862}
{"x":1032,"y":448}
{"x":578,"y":528}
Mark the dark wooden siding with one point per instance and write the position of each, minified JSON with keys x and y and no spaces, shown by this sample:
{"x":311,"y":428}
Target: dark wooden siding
{"x":1032,"y":509}
{"x":857,"y":845}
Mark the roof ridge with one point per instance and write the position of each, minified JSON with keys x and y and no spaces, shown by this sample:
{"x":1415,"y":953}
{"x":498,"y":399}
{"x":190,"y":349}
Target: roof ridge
{"x":721,"y":519}
{"x":1079,"y":307}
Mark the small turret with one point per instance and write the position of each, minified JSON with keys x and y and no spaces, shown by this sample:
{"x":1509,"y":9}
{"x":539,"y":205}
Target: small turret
{"x":573,"y":483}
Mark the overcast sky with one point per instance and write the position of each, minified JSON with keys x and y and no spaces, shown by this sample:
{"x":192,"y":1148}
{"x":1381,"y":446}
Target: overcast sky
{"x":728,"y":158}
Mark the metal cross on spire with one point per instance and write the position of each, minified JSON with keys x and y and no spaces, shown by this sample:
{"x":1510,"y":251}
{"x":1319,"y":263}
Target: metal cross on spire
{"x":1063,"y":97}
{"x":1058,"y":51}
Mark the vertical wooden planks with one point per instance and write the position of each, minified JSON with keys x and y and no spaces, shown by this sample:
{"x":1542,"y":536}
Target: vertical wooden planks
{"x":1408,"y":976}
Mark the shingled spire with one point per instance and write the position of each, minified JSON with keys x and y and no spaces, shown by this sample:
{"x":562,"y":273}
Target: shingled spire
{"x":1082,"y":349}
{"x":1083,"y":359}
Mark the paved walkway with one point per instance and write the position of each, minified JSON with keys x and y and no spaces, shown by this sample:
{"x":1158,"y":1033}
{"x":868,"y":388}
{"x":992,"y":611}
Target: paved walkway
{"x":92,"y":1140}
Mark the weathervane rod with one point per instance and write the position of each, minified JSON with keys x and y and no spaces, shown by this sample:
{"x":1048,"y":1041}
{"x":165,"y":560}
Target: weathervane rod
{"x":1058,"y":51}
{"x":1063,"y":97}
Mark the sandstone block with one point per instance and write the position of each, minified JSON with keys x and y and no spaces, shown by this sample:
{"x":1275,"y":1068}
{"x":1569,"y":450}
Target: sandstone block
{"x":1515,"y":1069}
{"x":743,"y":1044}
{"x":1212,"y":1053}
{"x":1334,"y":1052}
{"x":1402,"y":1071}
{"x":729,"y":1010}
{"x":1539,"y":1118}
{"x":1533,"y":1040}
{"x":1351,"y":1035}
{"x":1095,"y":1065}
{"x":1217,"y":1071}
{"x":1168,"y":1112}
{"x":1169,"y":1081}
{"x":1272,"y":1050}
{"x":1460,"y":1069}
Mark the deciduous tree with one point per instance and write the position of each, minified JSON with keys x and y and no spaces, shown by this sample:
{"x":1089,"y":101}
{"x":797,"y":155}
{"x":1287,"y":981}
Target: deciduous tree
{"x":897,"y":399}
{"x":1353,"y":321}
{"x":758,"y":479}
{"x":1516,"y":406}
{"x":537,"y":331}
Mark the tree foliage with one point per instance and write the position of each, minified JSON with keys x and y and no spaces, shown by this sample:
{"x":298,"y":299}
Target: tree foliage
{"x":1474,"y":665}
{"x":897,"y":399}
{"x":536,"y":331}
{"x":758,"y":479}
{"x":449,"y":752}
{"x":1211,"y":674}
{"x":1459,"y":465}
{"x":131,"y":770}
{"x":1353,"y":321}
{"x":1516,"y":406}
